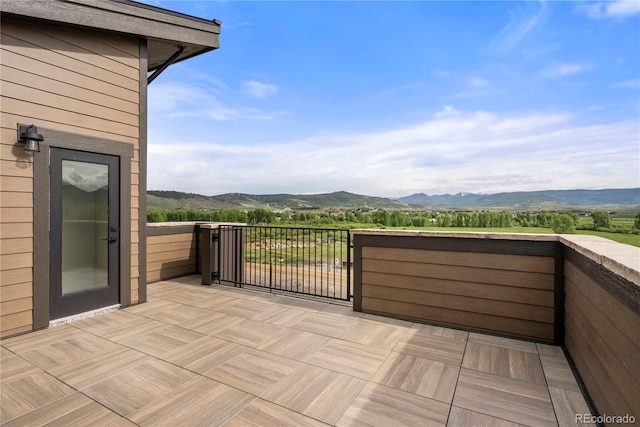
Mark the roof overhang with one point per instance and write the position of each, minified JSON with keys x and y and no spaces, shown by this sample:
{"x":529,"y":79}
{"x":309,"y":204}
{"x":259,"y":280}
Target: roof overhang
{"x":166,"y":31}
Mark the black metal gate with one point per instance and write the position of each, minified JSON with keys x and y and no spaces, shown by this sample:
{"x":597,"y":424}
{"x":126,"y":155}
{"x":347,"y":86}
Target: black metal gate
{"x":310,"y":261}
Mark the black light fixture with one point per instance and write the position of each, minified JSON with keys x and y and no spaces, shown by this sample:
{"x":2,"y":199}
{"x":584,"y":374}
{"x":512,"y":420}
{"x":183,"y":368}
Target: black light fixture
{"x":31,"y":138}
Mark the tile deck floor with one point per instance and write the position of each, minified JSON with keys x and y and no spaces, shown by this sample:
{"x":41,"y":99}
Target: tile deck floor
{"x":196,"y":355}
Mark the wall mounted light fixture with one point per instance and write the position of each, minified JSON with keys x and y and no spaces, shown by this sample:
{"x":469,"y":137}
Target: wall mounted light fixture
{"x":28,"y":134}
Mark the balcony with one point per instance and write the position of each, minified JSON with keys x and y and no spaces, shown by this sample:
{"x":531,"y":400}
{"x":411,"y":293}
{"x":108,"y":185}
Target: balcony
{"x":222,"y":355}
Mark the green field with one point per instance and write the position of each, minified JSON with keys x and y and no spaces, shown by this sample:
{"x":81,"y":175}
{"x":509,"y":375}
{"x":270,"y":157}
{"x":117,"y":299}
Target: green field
{"x":629,"y":239}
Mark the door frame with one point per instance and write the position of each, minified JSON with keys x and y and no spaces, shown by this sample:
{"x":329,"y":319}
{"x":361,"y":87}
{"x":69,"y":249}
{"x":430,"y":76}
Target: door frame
{"x":42,"y":213}
{"x":77,"y":302}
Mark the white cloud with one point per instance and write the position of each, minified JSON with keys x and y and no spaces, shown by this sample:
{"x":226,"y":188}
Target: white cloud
{"x":448,"y":110}
{"x":478,"y":82}
{"x":611,"y":9}
{"x":258,"y":89}
{"x":567,"y":69}
{"x":189,"y":100}
{"x":631,"y":84}
{"x":520,"y":24}
{"x":454,"y":151}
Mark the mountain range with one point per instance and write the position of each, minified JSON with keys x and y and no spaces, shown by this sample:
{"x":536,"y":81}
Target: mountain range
{"x":549,"y":199}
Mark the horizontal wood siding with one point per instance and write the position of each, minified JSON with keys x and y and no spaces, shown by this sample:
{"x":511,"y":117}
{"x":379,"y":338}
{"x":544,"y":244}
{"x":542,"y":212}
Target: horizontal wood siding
{"x":507,"y":294}
{"x":170,"y":255}
{"x":603,"y":339}
{"x":63,"y":79}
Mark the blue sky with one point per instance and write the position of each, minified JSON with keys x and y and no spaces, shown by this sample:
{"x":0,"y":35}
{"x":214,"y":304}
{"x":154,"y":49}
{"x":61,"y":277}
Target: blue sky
{"x":395,"y":98}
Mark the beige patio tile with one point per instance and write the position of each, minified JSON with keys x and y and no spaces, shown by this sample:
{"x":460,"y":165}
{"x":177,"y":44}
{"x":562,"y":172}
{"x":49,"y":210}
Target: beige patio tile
{"x":101,"y":323}
{"x":176,"y":313}
{"x":202,"y":401}
{"x":150,"y":306}
{"x":250,"y":333}
{"x":253,"y":371}
{"x":325,"y":324}
{"x":301,"y":303}
{"x":550,"y":350}
{"x":382,"y":406}
{"x":558,"y":373}
{"x":160,"y":341}
{"x":76,"y":348}
{"x":357,"y":360}
{"x":101,"y":366}
{"x":186,"y":296}
{"x":294,"y":344}
{"x":25,"y":393}
{"x":505,"y":362}
{"x":211,"y":322}
{"x":129,"y":390}
{"x":204,"y":354}
{"x":315,"y":392}
{"x":465,"y":417}
{"x":440,"y":331}
{"x":73,"y":410}
{"x":123,"y":330}
{"x":281,"y":316}
{"x":434,"y":347}
{"x":374,"y":334}
{"x":509,"y":343}
{"x":428,"y":378}
{"x":5,"y":352}
{"x":568,"y":404}
{"x":244,"y":308}
{"x":263,"y":413}
{"x":505,"y":398}
{"x":342,"y":310}
{"x":216,"y":301}
{"x":32,"y":340}
{"x":386,"y":320}
{"x":14,"y":367}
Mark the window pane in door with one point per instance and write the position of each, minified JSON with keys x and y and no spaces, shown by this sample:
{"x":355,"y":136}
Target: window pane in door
{"x":85,"y":216}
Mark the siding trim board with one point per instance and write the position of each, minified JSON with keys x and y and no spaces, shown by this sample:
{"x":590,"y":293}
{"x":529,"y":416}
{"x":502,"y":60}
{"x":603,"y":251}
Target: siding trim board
{"x":142,"y":175}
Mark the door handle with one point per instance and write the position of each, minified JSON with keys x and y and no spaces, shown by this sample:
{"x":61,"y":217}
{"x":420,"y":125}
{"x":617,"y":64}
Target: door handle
{"x":111,"y":239}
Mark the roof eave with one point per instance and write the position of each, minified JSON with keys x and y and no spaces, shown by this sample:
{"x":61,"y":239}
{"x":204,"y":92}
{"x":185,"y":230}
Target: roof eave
{"x":165,"y":30}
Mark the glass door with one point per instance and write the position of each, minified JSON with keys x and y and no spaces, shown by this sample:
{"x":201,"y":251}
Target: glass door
{"x":85,"y":232}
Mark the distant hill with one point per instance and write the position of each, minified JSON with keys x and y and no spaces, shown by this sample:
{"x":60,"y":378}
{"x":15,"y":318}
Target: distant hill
{"x":338,"y":199}
{"x":530,"y":199}
{"x":341,"y":199}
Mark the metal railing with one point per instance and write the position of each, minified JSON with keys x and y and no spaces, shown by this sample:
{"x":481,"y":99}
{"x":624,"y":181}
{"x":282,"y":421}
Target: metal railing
{"x":310,"y":261}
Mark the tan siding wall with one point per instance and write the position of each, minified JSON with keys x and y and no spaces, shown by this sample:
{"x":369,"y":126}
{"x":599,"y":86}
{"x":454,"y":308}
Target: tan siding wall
{"x":505,"y":294}
{"x":66,"y":80}
{"x":602,"y":336}
{"x":170,"y":255}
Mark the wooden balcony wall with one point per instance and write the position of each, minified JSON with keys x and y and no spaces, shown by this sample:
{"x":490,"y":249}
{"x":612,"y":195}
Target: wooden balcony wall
{"x":172,"y":250}
{"x":500,"y":286}
{"x":602,"y":325}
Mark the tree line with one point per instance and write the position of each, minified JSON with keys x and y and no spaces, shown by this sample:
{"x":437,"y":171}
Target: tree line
{"x":559,"y":222}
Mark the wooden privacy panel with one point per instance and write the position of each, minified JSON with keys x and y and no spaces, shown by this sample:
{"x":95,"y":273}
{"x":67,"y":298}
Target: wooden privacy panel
{"x":171,"y":252}
{"x":602,"y":335}
{"x":471,"y":288}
